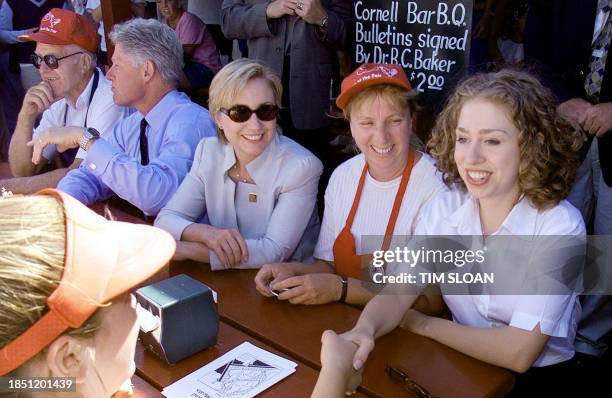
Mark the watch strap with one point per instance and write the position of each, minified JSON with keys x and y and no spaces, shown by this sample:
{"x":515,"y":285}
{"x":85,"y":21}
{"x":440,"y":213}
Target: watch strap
{"x":344,"y":282}
{"x":88,"y":135}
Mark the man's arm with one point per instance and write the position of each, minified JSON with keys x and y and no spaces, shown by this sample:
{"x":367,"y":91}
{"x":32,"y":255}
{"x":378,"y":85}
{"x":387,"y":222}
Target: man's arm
{"x":147,"y":187}
{"x":7,"y":34}
{"x":12,"y":36}
{"x":20,"y":155}
{"x":243,"y":21}
{"x":80,"y":182}
{"x":339,"y":17}
{"x":28,"y":185}
{"x":38,"y":99}
{"x":84,"y":186}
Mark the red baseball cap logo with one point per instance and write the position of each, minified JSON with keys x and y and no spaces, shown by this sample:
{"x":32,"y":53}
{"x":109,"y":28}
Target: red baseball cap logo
{"x":62,"y":27}
{"x":369,"y":68}
{"x":368,"y":75}
{"x":48,"y":22}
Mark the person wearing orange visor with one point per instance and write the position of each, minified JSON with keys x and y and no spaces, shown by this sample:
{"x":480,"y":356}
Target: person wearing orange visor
{"x":379,"y":192}
{"x":65,"y":276}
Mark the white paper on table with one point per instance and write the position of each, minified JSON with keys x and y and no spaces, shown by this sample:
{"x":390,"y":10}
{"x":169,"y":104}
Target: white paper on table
{"x":243,"y":372}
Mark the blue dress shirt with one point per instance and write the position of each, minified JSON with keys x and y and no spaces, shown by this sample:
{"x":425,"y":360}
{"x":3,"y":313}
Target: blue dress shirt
{"x":176,"y":125}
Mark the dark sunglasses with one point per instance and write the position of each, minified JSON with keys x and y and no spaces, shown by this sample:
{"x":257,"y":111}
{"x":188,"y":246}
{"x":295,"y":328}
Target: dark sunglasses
{"x":242,"y":113}
{"x":51,"y":60}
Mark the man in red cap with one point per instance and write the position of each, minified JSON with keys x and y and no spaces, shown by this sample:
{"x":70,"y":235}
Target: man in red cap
{"x":73,"y":92}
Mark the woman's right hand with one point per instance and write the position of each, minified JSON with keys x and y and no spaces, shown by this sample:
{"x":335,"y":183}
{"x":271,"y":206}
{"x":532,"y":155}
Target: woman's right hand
{"x":229,"y":246}
{"x":365,"y":344}
{"x":272,"y":273}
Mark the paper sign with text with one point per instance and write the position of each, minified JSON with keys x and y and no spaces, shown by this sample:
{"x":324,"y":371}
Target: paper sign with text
{"x":430,"y":39}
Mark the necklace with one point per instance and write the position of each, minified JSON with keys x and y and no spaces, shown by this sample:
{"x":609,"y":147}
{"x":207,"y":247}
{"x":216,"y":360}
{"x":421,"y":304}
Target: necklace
{"x":236,"y":174}
{"x":236,"y":177}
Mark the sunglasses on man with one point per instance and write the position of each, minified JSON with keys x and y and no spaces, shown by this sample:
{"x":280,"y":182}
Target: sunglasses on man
{"x":50,"y":60}
{"x":242,"y":113}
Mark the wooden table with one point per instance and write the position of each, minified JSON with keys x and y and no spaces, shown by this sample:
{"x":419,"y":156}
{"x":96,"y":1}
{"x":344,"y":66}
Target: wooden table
{"x":100,"y":208}
{"x":142,"y":389}
{"x":296,"y":331}
{"x":159,"y":374}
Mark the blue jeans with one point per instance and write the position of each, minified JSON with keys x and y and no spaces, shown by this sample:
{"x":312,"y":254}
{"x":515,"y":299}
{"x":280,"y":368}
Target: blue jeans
{"x":592,"y":196}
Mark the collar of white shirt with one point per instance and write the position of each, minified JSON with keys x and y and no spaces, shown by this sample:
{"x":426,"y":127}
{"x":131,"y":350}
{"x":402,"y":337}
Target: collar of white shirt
{"x":521,"y":221}
{"x":83,"y":100}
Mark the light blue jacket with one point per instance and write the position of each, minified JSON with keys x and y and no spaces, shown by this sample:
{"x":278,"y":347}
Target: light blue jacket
{"x":284,"y":221}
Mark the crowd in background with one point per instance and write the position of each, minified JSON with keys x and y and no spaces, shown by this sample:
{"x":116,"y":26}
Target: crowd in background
{"x":205,"y":103}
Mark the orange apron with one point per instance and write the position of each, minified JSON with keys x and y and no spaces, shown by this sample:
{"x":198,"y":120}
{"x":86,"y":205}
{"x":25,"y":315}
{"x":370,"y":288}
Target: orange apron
{"x":346,"y":260}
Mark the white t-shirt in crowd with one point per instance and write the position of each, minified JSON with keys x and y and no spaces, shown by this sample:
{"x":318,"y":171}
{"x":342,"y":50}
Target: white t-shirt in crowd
{"x":92,"y":5}
{"x":102,"y":115}
{"x":375,"y":205}
{"x":557,"y":315}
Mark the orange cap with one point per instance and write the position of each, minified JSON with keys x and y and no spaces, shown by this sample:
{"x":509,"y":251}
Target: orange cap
{"x":62,"y":27}
{"x":368,"y":75}
{"x":103,"y":260}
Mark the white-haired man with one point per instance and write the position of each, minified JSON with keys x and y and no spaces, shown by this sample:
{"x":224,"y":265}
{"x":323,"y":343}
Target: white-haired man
{"x":146,"y":155}
{"x":72,"y":93}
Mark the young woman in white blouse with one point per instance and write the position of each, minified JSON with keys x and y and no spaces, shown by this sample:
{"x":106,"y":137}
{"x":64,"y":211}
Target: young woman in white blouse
{"x":250,"y":196}
{"x":379,"y":192}
{"x":500,"y":138}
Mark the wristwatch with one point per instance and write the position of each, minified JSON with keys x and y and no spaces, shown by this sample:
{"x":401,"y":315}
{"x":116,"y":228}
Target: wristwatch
{"x":89,"y":134}
{"x":344,"y":283}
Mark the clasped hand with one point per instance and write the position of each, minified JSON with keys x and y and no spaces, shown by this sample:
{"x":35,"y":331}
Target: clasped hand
{"x":312,"y":289}
{"x":593,"y":119}
{"x":228,"y":244}
{"x":310,"y":11}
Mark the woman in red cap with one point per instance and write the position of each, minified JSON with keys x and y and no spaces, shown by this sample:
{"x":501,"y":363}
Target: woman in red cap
{"x":64,"y":309}
{"x":500,"y":139}
{"x":378,"y":192}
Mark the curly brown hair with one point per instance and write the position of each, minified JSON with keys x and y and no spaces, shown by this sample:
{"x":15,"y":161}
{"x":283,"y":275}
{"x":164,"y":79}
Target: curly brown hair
{"x":548,"y":145}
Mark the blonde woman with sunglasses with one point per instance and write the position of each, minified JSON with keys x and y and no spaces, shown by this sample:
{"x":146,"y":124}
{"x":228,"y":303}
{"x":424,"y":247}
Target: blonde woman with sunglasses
{"x":250,"y":196}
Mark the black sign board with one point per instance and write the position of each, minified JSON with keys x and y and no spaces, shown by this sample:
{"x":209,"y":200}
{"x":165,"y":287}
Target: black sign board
{"x":430,"y":39}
